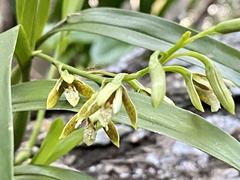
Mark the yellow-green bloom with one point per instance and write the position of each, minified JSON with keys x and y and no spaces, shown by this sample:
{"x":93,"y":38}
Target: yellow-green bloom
{"x":71,"y":87}
{"x":108,"y":102}
{"x":109,"y":129}
{"x":223,"y":94}
{"x":214,"y":76}
{"x":205,"y":91}
{"x":100,"y":108}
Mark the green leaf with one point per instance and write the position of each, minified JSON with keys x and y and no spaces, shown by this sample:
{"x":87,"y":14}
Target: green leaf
{"x":150,"y":32}
{"x":66,"y":144}
{"x":20,"y":121}
{"x":71,"y":6}
{"x":41,"y":18}
{"x":31,"y":177}
{"x":49,"y":143}
{"x":24,"y":58}
{"x":23,"y":50}
{"x":32,"y":15}
{"x":180,"y":124}
{"x":105,"y":51}
{"x":8,"y":41}
{"x":48,"y":172}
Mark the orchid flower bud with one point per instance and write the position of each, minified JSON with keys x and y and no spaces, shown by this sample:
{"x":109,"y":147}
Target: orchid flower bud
{"x":158,"y":79}
{"x":219,"y":88}
{"x":228,"y":26}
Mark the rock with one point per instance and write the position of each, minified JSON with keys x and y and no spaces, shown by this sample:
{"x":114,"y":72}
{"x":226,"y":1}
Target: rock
{"x":224,"y":174}
{"x":182,"y":149}
{"x":138,"y":135}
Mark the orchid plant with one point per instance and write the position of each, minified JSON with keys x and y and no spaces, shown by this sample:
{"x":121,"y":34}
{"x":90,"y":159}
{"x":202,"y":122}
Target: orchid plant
{"x":97,"y":97}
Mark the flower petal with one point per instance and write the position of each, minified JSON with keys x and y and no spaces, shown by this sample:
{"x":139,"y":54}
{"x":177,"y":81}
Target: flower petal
{"x":89,"y":108}
{"x":69,"y":127}
{"x":68,"y":78}
{"x":106,"y":92}
{"x":201,"y":81}
{"x":83,"y":88}
{"x":130,"y":108}
{"x":117,"y":101}
{"x":194,"y":97}
{"x":209,"y":98}
{"x":109,"y":89}
{"x":112,"y":133}
{"x":55,"y":94}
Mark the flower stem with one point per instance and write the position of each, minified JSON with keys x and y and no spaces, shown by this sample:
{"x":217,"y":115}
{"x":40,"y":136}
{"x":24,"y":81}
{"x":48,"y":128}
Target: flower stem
{"x":71,"y":69}
{"x":204,"y":59}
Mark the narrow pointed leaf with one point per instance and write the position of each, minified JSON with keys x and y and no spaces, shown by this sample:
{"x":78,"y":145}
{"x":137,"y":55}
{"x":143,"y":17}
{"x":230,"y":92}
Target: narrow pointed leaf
{"x":23,"y":50}
{"x":180,"y":124}
{"x":149,"y":32}
{"x":49,"y":143}
{"x":48,"y":172}
{"x":8,"y":41}
{"x":32,"y":15}
{"x":66,"y":144}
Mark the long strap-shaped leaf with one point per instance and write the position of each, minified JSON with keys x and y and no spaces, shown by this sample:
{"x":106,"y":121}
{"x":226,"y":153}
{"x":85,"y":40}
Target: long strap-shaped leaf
{"x":32,"y":15}
{"x":150,"y":32}
{"x":7,"y":46}
{"x":167,"y":119}
{"x":47,"y":172}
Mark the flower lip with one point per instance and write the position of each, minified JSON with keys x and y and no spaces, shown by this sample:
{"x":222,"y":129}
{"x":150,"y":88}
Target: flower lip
{"x":205,"y":91}
{"x":71,"y":86}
